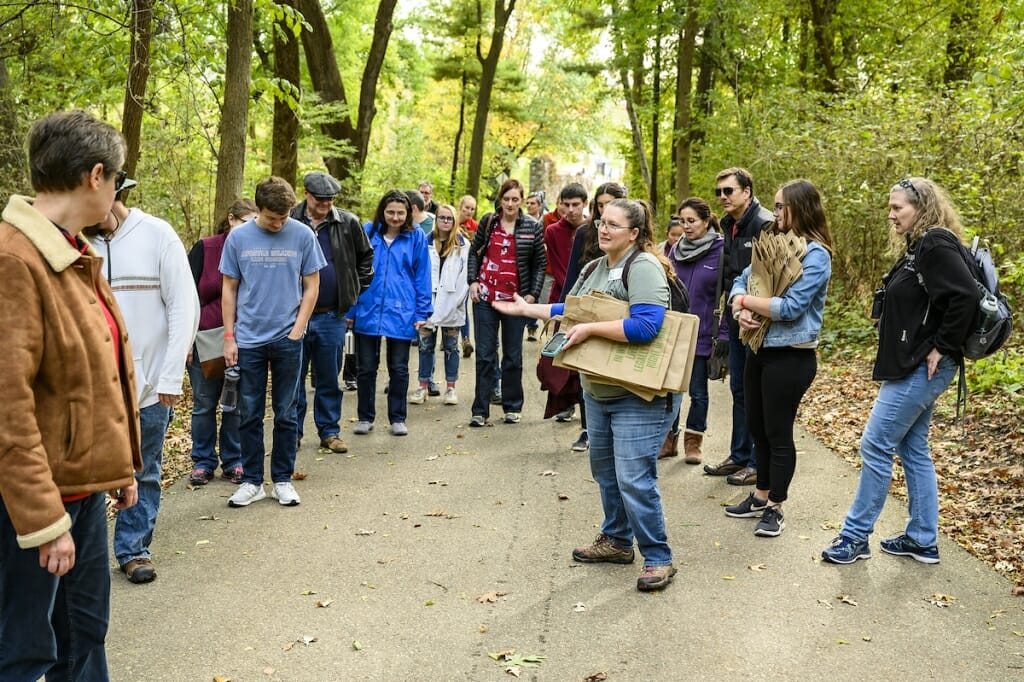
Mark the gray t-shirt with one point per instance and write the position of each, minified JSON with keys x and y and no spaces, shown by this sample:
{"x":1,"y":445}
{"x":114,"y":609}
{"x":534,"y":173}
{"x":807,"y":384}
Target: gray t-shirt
{"x":270,"y":267}
{"x":647,"y":284}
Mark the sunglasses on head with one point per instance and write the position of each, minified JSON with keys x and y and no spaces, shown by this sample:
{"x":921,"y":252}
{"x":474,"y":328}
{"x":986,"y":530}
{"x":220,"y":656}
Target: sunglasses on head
{"x":909,"y":186}
{"x":727,"y":191}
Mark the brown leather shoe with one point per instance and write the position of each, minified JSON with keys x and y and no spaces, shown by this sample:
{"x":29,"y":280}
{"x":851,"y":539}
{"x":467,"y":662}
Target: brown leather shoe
{"x":139,"y":570}
{"x":670,"y":448}
{"x":691,"y":447}
{"x":745,"y":476}
{"x":723,"y":469}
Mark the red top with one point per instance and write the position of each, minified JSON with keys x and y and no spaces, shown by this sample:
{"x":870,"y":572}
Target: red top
{"x":499,"y":274}
{"x":470,"y":227}
{"x":558,"y":238}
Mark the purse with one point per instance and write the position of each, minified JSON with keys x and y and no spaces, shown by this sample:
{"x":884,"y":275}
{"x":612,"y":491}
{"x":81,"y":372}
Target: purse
{"x":555,"y":380}
{"x":718,"y":363}
{"x":210,"y":351}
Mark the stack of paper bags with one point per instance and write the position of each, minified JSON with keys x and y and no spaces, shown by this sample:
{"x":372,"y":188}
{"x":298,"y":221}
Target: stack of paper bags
{"x":647,"y":369}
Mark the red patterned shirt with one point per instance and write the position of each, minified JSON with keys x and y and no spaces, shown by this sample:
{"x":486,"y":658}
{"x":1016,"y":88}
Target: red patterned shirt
{"x":499,"y":274}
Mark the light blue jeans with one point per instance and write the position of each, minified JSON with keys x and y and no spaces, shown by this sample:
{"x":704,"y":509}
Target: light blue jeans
{"x":625,"y":436}
{"x":450,"y":346}
{"x":133,"y":530}
{"x":898,"y":425}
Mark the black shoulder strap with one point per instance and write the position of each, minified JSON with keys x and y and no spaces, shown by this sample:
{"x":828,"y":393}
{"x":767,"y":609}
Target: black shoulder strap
{"x":625,"y":267}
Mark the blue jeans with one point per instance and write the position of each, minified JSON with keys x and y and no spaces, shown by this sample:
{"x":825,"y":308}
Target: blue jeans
{"x":323,"y":348}
{"x":741,"y":447}
{"x":898,"y":425}
{"x":133,"y":530}
{"x":450,"y":346}
{"x":487,"y":320}
{"x":625,"y":436}
{"x":697,"y":416}
{"x":56,"y":626}
{"x":205,"y":397}
{"x":368,"y":352}
{"x":283,"y":357}
{"x":465,"y":327}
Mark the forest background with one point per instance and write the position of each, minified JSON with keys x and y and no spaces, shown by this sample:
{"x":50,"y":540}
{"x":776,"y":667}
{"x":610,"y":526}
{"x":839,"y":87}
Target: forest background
{"x":662,"y":94}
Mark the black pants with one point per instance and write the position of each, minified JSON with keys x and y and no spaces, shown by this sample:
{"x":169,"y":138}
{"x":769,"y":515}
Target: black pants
{"x":774,"y":382}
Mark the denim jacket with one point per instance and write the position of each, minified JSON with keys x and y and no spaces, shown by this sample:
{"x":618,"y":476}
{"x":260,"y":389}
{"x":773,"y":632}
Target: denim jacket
{"x":796,"y":315}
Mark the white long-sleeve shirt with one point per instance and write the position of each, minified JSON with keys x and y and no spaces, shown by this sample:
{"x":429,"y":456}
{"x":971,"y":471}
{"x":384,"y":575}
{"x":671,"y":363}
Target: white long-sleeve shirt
{"x":147,"y":267}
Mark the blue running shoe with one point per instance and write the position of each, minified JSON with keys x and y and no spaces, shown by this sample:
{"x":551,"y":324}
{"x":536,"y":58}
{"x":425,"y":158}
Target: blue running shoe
{"x":904,"y":546}
{"x":844,"y":550}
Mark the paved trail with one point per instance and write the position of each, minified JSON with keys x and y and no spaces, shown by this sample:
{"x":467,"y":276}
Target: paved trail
{"x":400,"y":539}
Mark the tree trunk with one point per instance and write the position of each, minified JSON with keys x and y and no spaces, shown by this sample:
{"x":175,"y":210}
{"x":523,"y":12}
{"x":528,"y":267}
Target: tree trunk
{"x":822,"y":12}
{"x":235,"y":112}
{"x":683,"y":114}
{"x":702,"y":102}
{"x":489,"y":70}
{"x":12,"y":156}
{"x":656,"y":110}
{"x":284,"y":160}
{"x":323,"y":72}
{"x":457,"y":144}
{"x":634,"y":127}
{"x":138,"y":77}
{"x":963,"y":32}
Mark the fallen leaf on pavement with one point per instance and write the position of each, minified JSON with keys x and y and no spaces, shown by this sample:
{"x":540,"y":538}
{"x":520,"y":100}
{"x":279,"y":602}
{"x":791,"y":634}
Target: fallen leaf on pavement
{"x":728,"y":577}
{"x":323,"y":603}
{"x":563,"y":496}
{"x":268,"y":671}
{"x":825,"y":603}
{"x":831,"y":525}
{"x":490,"y":597}
{"x":757,"y":567}
{"x":513,"y":670}
{"x":1018,"y":591}
{"x":502,"y":655}
{"x":846,"y":599}
{"x":579,"y":608}
{"x":306,"y":593}
{"x":363,"y":531}
{"x":202,"y":542}
{"x":549,"y":472}
{"x":221,"y":678}
{"x":209,"y":518}
{"x":866,"y":638}
{"x":483,"y":627}
{"x":299,"y":476}
{"x":841,"y":641}
{"x":596,"y":677}
{"x":308,"y":640}
{"x":356,"y":645}
{"x":941,"y":600}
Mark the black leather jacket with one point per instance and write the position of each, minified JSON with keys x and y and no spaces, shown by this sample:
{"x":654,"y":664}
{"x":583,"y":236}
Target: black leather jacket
{"x":353,"y":255}
{"x":531,"y":260}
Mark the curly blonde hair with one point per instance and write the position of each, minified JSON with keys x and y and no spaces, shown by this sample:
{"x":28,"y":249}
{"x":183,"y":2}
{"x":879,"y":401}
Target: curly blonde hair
{"x":934,"y":209}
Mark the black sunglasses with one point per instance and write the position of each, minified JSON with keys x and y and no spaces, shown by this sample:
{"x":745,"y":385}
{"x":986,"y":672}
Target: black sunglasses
{"x":119,"y":179}
{"x":727,"y":191}
{"x":908,"y":185}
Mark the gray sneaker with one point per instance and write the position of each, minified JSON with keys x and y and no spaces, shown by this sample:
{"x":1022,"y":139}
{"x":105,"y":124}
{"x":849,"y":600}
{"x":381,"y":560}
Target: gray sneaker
{"x":749,"y":508}
{"x":399,"y":429}
{"x":285,"y":494}
{"x":246,"y":494}
{"x":363,"y":428}
{"x":513,"y":418}
{"x":419,"y":396}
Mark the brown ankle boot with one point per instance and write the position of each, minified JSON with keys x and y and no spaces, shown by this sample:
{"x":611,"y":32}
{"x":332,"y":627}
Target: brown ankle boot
{"x":691,"y":447}
{"x":670,"y":448}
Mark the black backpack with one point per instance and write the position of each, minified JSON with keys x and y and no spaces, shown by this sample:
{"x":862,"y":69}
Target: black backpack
{"x":680,"y":297}
{"x":993,"y":318}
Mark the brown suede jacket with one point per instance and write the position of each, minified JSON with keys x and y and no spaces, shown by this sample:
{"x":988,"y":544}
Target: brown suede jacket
{"x":69,"y":420}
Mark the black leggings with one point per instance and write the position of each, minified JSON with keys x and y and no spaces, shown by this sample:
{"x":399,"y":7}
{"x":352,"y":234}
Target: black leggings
{"x":774,"y":382}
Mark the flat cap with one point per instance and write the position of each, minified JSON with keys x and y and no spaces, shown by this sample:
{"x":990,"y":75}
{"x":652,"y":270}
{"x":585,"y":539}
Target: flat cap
{"x":321,"y":184}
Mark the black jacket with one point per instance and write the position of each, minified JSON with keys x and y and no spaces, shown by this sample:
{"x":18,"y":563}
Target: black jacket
{"x":739,"y":249}
{"x":531,"y":261}
{"x":353,"y":255}
{"x":917,"y":318}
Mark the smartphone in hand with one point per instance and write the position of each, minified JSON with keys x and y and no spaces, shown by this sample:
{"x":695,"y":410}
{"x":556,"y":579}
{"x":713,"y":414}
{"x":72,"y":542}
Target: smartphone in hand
{"x":554,"y":346}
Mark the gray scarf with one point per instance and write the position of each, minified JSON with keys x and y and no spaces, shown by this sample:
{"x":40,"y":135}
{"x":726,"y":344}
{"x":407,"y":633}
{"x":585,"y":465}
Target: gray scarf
{"x":686,"y":250}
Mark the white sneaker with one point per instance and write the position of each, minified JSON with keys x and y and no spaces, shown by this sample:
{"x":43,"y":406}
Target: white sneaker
{"x":399,"y":429}
{"x":419,"y":396}
{"x":246,"y":494}
{"x":450,"y":398}
{"x":285,"y":494}
{"x":363,"y":428}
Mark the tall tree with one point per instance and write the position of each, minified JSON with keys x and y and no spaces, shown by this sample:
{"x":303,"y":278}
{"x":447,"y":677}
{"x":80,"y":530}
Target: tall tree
{"x":960,"y":46}
{"x":235,"y":111}
{"x":138,"y":77}
{"x":284,"y":160}
{"x":683,"y":118}
{"x":489,"y":69}
{"x":326,"y":77}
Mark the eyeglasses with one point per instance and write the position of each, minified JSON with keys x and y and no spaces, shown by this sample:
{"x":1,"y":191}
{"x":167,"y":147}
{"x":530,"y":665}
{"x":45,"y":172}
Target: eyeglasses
{"x":119,"y":179}
{"x":779,"y":207}
{"x":445,"y":219}
{"x":908,"y":185}
{"x":727,"y":191}
{"x":611,"y":226}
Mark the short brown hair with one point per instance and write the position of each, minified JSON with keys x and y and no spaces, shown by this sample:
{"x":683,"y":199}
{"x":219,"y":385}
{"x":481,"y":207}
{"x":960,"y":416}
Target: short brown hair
{"x":742,"y":175}
{"x":275,"y":195}
{"x":66,"y":145}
